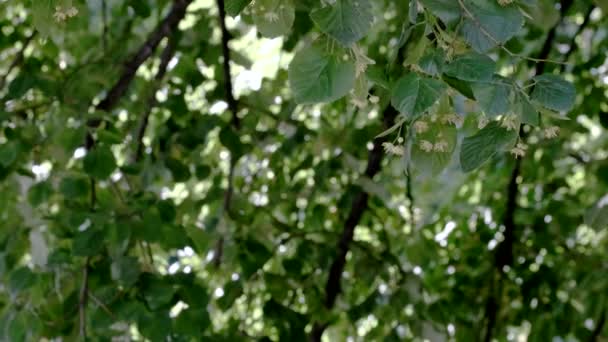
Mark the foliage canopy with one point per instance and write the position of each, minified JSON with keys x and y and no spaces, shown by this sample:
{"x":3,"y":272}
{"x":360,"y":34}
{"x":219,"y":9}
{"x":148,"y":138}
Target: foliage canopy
{"x":291,"y":170}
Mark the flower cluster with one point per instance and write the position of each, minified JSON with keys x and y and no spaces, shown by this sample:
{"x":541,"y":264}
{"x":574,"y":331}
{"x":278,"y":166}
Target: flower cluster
{"x":454,"y":119}
{"x":439,"y":146}
{"x":510,"y":122}
{"x":361,"y":60}
{"x":551,"y":132}
{"x":62,"y":14}
{"x":391,"y":148}
{"x":421,"y":126}
{"x":519,"y":150}
{"x":482,"y":121}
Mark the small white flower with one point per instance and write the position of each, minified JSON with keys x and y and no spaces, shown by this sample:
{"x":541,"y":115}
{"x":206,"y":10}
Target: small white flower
{"x":441,"y":146}
{"x":374,"y":99}
{"x":510,"y":122}
{"x":59,"y":15}
{"x":551,"y":132}
{"x":482,"y":121}
{"x":71,"y":12}
{"x":271,"y":17}
{"x":393,"y":149}
{"x":519,"y":150}
{"x":421,"y":126}
{"x":361,"y":60}
{"x":426,"y":145}
{"x":358,"y":102}
{"x":454,"y":119}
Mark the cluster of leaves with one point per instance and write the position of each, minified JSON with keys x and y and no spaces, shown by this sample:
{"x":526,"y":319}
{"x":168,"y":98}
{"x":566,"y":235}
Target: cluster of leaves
{"x":186,"y":170}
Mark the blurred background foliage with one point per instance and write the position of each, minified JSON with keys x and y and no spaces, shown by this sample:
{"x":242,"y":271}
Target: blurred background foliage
{"x":145,"y":195}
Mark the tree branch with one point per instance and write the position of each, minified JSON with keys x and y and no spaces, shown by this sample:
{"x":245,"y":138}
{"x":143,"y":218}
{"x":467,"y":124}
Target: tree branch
{"x":232,"y":104}
{"x":599,"y":327}
{"x":504,"y":252}
{"x":104,"y":20}
{"x":234,"y":122}
{"x":18,"y":59}
{"x":82,"y":302}
{"x":165,"y":58}
{"x":165,"y":28}
{"x":358,"y":207}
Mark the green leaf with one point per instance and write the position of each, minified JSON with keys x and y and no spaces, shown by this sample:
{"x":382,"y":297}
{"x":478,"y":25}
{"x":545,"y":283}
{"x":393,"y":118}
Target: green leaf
{"x":125,"y":270}
{"x":316,"y":76}
{"x":603,"y":4}
{"x":158,"y":293}
{"x":232,"y":141}
{"x":192,"y":321}
{"x":40,"y":193}
{"x":142,"y":8}
{"x":273,"y":18}
{"x":479,"y":148}
{"x":415,"y":52}
{"x":462,"y":87}
{"x":493,"y":97}
{"x":347,"y":21}
{"x":491,"y":24}
{"x":471,"y":67}
{"x":252,"y":256}
{"x":553,"y":92}
{"x":235,"y":7}
{"x":99,"y":162}
{"x":179,"y":170}
{"x":413,"y":94}
{"x":73,"y":187}
{"x":526,"y":111}
{"x":155,"y":326}
{"x":597,"y":216}
{"x":232,"y":291}
{"x":167,"y":210}
{"x":447,"y":10}
{"x":21,"y":279}
{"x":8,"y":153}
{"x":88,"y":242}
{"x":433,"y":62}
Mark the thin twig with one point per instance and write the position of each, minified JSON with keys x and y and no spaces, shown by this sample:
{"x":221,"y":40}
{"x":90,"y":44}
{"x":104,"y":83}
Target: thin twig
{"x":599,"y":327}
{"x":580,"y":29}
{"x":165,"y":58}
{"x":18,"y":59}
{"x":498,"y":43}
{"x":82,"y":303}
{"x":104,"y":19}
{"x":165,"y":28}
{"x":101,"y":305}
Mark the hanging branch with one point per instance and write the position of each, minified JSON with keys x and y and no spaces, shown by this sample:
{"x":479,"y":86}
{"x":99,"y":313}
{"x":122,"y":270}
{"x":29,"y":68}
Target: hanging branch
{"x":234,"y":122}
{"x":599,"y":327}
{"x":83,"y":301}
{"x":18,"y":59}
{"x":358,"y":207}
{"x":165,"y":58}
{"x":165,"y":28}
{"x":504,"y":252}
{"x":104,"y":20}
